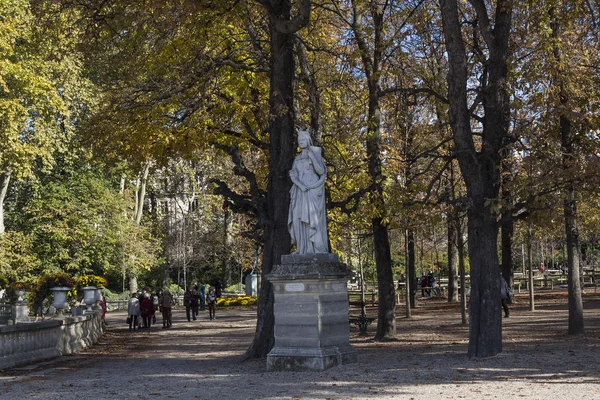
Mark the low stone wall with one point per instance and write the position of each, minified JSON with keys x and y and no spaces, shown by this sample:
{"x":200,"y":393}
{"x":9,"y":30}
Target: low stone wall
{"x":27,"y":342}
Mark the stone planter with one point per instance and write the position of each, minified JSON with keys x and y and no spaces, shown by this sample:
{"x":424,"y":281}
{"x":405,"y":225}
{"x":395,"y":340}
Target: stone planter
{"x":19,"y":294}
{"x":60,"y":298}
{"x":89,"y":296}
{"x":97,"y":296}
{"x":98,"y":293}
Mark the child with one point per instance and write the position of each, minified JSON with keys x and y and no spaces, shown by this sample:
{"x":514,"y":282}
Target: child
{"x":211,"y":300}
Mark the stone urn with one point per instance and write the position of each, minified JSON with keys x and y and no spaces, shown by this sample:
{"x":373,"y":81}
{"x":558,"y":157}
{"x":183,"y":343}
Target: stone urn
{"x":19,"y":293}
{"x":97,"y":296}
{"x":89,"y":296}
{"x":60,"y":298}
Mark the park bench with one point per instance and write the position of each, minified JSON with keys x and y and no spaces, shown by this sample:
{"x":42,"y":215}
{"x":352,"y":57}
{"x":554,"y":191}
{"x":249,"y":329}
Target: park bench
{"x":355,"y":293}
{"x":362,"y":321}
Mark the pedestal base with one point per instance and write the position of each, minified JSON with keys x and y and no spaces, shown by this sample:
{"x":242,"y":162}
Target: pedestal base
{"x":311,"y":314}
{"x":20,"y":312}
{"x":309,"y":359}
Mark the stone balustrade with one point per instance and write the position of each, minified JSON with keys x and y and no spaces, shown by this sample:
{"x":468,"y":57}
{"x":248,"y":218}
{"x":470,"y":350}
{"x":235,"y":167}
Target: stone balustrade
{"x":28,"y":342}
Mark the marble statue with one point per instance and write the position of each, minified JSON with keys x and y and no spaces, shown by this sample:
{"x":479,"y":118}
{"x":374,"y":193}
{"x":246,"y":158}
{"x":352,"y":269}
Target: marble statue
{"x":307,"y":219}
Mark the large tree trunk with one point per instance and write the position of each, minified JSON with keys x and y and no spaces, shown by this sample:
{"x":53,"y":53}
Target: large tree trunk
{"x":386,"y":319}
{"x":575,"y":301}
{"x":570,"y":212}
{"x":451,"y":218}
{"x":570,"y":203}
{"x":480,"y":168}
{"x":140,"y":196}
{"x":485,"y":321}
{"x":282,"y":148}
{"x":4,"y":181}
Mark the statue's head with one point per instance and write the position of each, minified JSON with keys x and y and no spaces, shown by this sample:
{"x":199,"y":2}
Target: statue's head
{"x":304,"y":134}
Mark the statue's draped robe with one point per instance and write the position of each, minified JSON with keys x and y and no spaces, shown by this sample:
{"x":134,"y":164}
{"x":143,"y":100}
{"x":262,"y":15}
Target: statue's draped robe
{"x":307,"y":220}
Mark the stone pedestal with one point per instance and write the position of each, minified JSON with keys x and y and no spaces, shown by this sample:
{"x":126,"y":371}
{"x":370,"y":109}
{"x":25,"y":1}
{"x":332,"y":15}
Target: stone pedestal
{"x":20,"y":312}
{"x":311,"y":314}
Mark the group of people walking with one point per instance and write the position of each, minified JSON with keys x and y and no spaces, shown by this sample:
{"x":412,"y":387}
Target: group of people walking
{"x":143,"y":306}
{"x":196,"y":299}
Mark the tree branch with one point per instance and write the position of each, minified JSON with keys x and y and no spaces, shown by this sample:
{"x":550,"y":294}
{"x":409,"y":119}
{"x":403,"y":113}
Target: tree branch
{"x":353,"y":198}
{"x":288,"y":26}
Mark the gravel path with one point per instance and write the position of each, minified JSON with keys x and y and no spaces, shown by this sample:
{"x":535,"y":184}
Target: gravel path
{"x":201,"y":360}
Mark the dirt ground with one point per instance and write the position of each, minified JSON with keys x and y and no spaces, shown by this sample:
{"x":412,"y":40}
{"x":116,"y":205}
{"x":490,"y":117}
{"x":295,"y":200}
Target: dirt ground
{"x":202,"y":360}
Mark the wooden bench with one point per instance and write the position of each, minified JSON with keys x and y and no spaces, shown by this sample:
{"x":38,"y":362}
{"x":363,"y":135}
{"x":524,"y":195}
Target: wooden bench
{"x":362,"y":321}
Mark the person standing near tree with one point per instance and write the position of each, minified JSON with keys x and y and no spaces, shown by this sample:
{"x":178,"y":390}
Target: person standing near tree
{"x":504,"y":296}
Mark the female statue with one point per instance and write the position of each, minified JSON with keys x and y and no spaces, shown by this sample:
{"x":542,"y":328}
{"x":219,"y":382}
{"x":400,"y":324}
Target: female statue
{"x":307,"y":219}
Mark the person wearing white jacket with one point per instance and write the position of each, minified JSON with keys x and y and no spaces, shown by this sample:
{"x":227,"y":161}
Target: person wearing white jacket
{"x":133,"y":310}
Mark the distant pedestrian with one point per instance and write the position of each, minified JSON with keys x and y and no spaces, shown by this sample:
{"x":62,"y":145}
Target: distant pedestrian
{"x":147,"y":311}
{"x":188,"y":298}
{"x":38,"y":309}
{"x":140,"y":296}
{"x":103,"y":307}
{"x":504,"y":296}
{"x":211,"y":300}
{"x":424,"y":285}
{"x":202,"y":300}
{"x":133,"y":310}
{"x":165,"y":303}
{"x":195,"y":301}
{"x":156,"y":305}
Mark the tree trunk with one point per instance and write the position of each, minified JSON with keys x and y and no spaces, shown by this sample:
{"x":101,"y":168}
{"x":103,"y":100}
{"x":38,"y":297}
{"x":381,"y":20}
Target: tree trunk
{"x":4,"y":181}
{"x":451,"y":220}
{"x":371,"y":60}
{"x":141,"y":194}
{"x":480,"y":168}
{"x":407,"y":280}
{"x":575,"y":301}
{"x":386,"y":321}
{"x":411,"y":275}
{"x":228,"y":240}
{"x":282,"y":148}
{"x":452,"y":259}
{"x":508,"y":228}
{"x":485,"y":318}
{"x":530,"y":269}
{"x":312,"y":88}
{"x":460,"y":246}
{"x":570,"y":203}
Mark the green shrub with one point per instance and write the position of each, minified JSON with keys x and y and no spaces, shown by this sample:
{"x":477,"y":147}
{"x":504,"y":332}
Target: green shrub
{"x":3,"y":282}
{"x":112,"y":296}
{"x":41,"y":290}
{"x":234,"y":288}
{"x":175,"y":288}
